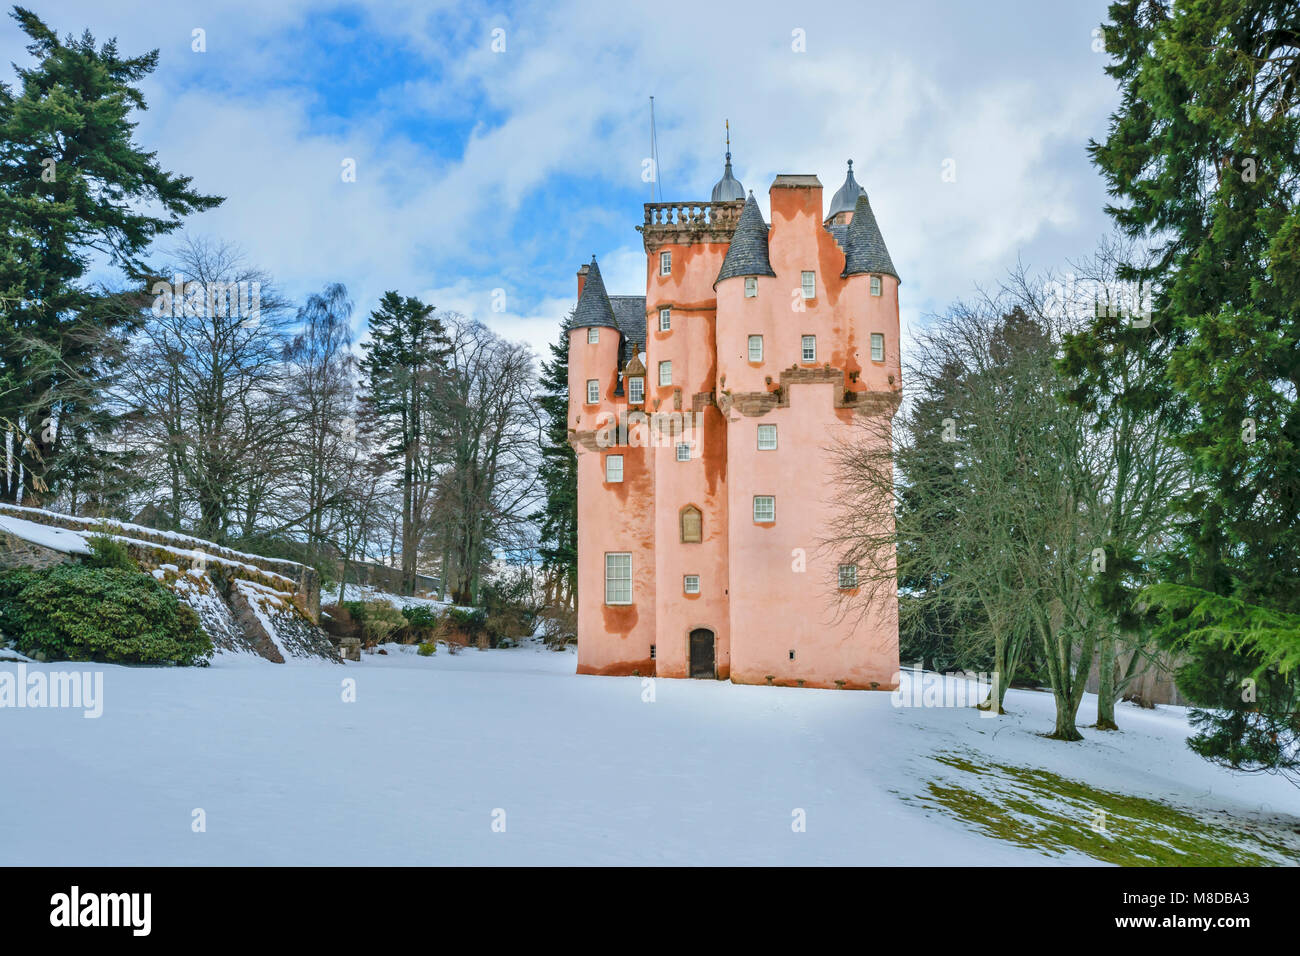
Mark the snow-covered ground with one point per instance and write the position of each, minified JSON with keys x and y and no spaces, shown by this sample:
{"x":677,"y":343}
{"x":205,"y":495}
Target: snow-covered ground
{"x":582,"y":770}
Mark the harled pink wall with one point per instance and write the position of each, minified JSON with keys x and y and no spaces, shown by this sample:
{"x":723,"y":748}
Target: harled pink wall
{"x":765,"y":588}
{"x":702,"y":481}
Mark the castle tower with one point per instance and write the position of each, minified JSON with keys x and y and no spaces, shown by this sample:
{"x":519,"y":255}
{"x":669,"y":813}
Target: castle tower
{"x":761,"y":345}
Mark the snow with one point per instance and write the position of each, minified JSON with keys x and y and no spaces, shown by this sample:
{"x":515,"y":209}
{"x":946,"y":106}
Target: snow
{"x":56,"y":539}
{"x":586,"y":770}
{"x":140,"y":533}
{"x":365,"y":592}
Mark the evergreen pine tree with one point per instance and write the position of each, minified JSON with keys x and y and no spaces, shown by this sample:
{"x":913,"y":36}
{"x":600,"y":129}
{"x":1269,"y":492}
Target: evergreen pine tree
{"x":558,"y":473}
{"x":403,"y":359}
{"x":1204,"y":155}
{"x":73,"y":185}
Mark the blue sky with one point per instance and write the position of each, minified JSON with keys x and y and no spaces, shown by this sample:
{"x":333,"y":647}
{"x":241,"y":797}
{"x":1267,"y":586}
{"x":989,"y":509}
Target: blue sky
{"x":480,"y":170}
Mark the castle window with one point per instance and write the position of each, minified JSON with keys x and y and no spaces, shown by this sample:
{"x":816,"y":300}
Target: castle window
{"x":877,"y":347}
{"x":593,"y":335}
{"x":692,"y":525}
{"x":766,"y":437}
{"x":593,"y":391}
{"x":808,"y":348}
{"x":665,"y":319}
{"x":756,"y":348}
{"x":691,"y":584}
{"x":875,"y":285}
{"x":848,"y":576}
{"x":665,"y":373}
{"x":613,"y":468}
{"x":683,"y":451}
{"x":666,"y":263}
{"x":652,"y":652}
{"x":810,"y":285}
{"x":618,"y":577}
{"x":764,"y":509}
{"x":636,"y":390}
{"x":751,"y":287}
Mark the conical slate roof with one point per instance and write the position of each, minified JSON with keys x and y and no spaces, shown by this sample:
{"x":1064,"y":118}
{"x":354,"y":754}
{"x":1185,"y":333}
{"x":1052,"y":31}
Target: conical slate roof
{"x":747,"y":254}
{"x":593,"y":305}
{"x":846,"y":197}
{"x":865,"y":250}
{"x":728,"y":188}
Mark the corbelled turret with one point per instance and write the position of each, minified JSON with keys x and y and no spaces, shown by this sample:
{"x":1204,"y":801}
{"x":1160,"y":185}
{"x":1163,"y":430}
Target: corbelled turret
{"x":747,"y":254}
{"x":864,"y":247}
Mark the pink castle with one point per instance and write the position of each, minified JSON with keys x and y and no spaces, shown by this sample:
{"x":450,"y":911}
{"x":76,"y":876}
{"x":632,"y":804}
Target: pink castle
{"x":702,"y":414}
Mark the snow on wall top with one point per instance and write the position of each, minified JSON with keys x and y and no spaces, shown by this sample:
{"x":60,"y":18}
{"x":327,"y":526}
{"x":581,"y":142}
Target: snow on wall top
{"x":56,"y":539}
{"x":142,"y":533}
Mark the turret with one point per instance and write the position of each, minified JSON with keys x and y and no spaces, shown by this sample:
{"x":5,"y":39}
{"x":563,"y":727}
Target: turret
{"x":595,"y":344}
{"x":845,"y":200}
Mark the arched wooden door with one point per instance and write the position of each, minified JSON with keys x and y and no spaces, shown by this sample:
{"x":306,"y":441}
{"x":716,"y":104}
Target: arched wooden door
{"x":703,"y":662}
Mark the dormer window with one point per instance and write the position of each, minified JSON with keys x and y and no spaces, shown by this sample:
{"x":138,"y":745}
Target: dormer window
{"x":751,"y":287}
{"x":593,"y":335}
{"x":665,"y":320}
{"x":875,"y":285}
{"x":666,"y":263}
{"x":810,"y":285}
{"x":636,"y":390}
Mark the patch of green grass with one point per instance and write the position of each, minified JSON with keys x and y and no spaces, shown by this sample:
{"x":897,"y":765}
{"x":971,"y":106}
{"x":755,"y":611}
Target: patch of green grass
{"x":1043,"y":811}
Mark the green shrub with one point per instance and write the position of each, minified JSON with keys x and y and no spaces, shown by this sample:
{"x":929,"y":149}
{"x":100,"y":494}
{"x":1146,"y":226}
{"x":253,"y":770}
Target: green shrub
{"x":79,"y":613}
{"x":420,"y":616}
{"x":105,"y":552}
{"x":379,"y":620}
{"x":428,"y":649}
{"x":421,"y":624}
{"x":512,"y":613}
{"x":469,"y":621}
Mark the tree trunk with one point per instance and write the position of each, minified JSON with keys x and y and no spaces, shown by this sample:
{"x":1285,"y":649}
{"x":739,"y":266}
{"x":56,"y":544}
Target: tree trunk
{"x":1106,"y":683}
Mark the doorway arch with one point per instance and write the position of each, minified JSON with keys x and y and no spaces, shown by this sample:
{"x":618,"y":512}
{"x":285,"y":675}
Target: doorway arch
{"x":704,"y":656}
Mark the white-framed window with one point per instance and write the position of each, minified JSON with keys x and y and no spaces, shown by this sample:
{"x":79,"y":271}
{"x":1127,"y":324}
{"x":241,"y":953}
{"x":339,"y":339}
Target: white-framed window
{"x":666,"y":263}
{"x":666,"y":373}
{"x":683,"y":451}
{"x":764,"y":508}
{"x":593,"y":335}
{"x":766,"y":437}
{"x":691,"y":584}
{"x":618,"y":577}
{"x":751,"y":287}
{"x":808,"y":348}
{"x":875,"y":285}
{"x":613,"y":468}
{"x":636,"y":390}
{"x":809,"y":281}
{"x":756,"y":348}
{"x":665,"y":319}
{"x":593,"y":391}
{"x":877,"y":347}
{"x":848,"y":576}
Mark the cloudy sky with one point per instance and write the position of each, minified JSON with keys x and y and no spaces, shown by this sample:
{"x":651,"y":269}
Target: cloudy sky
{"x":500,"y":145}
